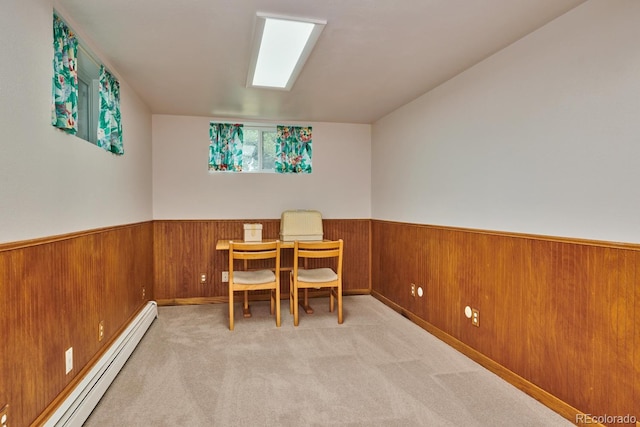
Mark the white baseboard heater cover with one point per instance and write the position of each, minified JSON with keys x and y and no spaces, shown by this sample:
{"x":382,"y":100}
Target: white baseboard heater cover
{"x":75,"y":410}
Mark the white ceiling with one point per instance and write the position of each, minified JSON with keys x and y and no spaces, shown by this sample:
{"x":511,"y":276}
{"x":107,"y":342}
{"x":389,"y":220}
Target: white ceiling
{"x":190,"y":57}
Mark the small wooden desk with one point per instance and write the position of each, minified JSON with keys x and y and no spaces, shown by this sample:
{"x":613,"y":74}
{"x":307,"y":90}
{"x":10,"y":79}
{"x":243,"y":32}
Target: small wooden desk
{"x":223,"y":245}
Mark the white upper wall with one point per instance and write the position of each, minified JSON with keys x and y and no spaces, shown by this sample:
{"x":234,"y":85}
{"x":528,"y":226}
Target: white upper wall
{"x":183,"y":188}
{"x":50,"y":182}
{"x":540,"y":138}
{"x":543,"y":137}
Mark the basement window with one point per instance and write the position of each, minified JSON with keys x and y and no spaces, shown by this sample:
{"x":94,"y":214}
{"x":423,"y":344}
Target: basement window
{"x":85,"y":95}
{"x":240,"y":148}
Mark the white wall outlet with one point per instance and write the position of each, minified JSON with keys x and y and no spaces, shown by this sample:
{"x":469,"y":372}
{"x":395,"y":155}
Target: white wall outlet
{"x":68,"y":357}
{"x":225,"y":276}
{"x":203,"y":278}
{"x":468,"y":312}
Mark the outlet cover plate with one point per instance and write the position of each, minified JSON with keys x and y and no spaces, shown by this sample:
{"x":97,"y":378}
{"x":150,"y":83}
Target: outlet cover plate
{"x":4,"y":414}
{"x":475,"y":317}
{"x":68,"y":357}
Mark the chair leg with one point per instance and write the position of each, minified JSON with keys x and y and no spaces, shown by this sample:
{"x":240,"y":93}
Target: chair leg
{"x":230,"y":309}
{"x":291,"y":293}
{"x":295,"y":306}
{"x":331,"y":301}
{"x":272,"y":301}
{"x":340,"y":303}
{"x":278,"y":305}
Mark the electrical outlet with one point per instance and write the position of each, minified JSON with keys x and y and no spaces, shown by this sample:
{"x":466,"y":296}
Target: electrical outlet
{"x":4,"y":414}
{"x":144,"y":292}
{"x":475,"y":317}
{"x":68,"y":358}
{"x":225,"y":276}
{"x":100,"y":330}
{"x":203,"y":278}
{"x":413,"y":290}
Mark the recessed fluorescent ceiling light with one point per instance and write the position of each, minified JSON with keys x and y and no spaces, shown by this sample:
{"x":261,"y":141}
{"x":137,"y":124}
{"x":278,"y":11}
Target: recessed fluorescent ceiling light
{"x":280,"y":48}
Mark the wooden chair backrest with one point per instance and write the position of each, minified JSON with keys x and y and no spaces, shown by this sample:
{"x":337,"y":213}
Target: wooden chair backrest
{"x":254,"y":251}
{"x":257,"y":250}
{"x":319,"y":249}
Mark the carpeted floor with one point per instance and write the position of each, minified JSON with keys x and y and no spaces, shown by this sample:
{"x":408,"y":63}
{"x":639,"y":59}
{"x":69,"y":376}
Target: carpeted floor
{"x":376,"y":369}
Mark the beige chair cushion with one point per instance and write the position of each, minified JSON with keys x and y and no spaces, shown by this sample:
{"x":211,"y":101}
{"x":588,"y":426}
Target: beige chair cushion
{"x":317,"y":275}
{"x":253,"y":277}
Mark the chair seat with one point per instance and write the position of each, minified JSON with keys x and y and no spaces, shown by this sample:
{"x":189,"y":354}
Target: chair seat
{"x":255,"y":277}
{"x":317,"y":275}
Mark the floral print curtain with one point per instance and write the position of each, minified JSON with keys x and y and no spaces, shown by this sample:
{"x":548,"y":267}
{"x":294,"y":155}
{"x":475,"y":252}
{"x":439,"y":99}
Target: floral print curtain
{"x":293,"y":149}
{"x":64,"y":112}
{"x":225,"y":150}
{"x":109,"y":119}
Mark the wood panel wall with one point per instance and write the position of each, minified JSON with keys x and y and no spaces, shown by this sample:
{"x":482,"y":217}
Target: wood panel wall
{"x":54,"y":293}
{"x":185,"y":249}
{"x":560,"y":314}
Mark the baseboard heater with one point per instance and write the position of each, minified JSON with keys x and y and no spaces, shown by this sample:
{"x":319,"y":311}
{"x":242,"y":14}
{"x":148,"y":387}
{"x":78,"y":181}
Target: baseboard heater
{"x":75,"y":410}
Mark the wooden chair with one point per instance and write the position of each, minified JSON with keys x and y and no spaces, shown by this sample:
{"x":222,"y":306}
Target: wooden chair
{"x":255,"y":279}
{"x":316,"y":278}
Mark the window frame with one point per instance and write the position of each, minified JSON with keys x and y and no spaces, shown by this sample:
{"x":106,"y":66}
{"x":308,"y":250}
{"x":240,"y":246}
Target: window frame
{"x":93,"y":98}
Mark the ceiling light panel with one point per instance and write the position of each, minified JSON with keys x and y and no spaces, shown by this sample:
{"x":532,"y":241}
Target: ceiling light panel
{"x":280,"y":48}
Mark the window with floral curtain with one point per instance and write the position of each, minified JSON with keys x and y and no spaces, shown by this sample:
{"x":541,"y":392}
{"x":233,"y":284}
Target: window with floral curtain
{"x":225,"y":149}
{"x":293,"y":149}
{"x":109,"y":122}
{"x":64,"y":112}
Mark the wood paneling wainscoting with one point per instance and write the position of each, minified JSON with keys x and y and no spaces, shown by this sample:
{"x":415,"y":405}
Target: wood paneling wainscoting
{"x":557,"y":317}
{"x":185,"y":249}
{"x":55,"y":292}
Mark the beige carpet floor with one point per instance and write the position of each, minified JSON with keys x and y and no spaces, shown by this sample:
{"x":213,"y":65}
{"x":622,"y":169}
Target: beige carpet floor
{"x":376,"y":369}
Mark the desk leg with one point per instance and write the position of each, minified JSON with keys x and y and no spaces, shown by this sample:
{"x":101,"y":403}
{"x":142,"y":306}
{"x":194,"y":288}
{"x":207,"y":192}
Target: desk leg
{"x":246,"y":311}
{"x":305,"y":304}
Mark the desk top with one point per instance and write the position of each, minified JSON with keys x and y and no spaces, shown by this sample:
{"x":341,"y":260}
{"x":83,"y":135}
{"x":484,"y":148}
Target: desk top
{"x":223,"y":244}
